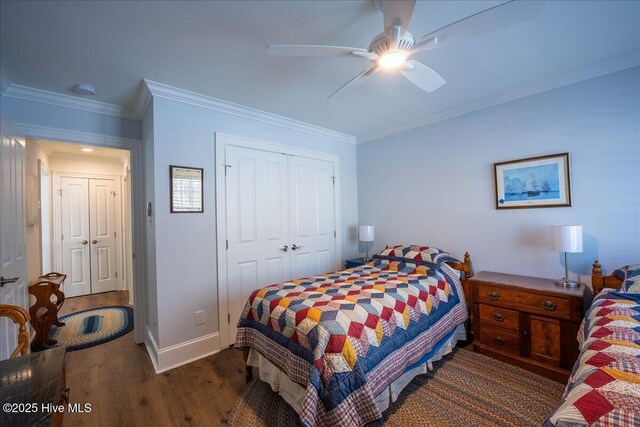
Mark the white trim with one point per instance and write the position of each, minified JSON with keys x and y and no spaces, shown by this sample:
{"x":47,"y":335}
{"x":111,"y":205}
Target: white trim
{"x":152,"y":348}
{"x":165,"y":359}
{"x":68,"y":101}
{"x":66,"y":135}
{"x":221,"y":142}
{"x":138,"y":218}
{"x":169,"y":92}
{"x":598,"y":69}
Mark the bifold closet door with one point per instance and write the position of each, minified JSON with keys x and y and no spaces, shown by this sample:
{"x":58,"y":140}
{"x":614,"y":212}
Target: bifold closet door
{"x":102,"y":226}
{"x":311,"y":217}
{"x":76,"y":263}
{"x":257,"y":225}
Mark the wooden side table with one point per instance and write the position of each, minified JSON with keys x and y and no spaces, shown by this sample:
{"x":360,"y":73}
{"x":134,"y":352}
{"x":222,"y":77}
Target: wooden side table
{"x":527,"y":321}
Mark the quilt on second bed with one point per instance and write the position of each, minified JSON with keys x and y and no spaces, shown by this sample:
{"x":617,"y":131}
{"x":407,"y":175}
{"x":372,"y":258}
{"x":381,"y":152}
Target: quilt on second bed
{"x":349,"y":334}
{"x":604,"y":389}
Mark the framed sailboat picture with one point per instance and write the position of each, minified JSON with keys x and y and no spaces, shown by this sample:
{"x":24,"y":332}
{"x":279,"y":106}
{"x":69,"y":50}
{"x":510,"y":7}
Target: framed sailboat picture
{"x":536,"y":182}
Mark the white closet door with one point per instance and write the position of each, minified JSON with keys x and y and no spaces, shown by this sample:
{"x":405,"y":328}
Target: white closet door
{"x":312,"y":217}
{"x":102,"y":225}
{"x":13,"y":266}
{"x":257,"y":225}
{"x":75,"y":236}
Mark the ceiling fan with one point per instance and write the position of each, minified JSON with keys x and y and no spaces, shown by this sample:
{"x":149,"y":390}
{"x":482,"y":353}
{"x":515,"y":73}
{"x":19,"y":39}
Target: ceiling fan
{"x":393,"y":48}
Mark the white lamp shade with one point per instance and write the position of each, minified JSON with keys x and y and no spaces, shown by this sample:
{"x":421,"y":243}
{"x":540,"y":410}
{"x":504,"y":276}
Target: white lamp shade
{"x":565,"y":238}
{"x":365,"y":233}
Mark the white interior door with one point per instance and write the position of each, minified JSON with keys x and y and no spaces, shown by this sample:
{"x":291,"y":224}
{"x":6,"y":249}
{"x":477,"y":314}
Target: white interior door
{"x":13,"y":265}
{"x":102,"y":227}
{"x":257,"y":225}
{"x":76,"y":262}
{"x":312,"y":217}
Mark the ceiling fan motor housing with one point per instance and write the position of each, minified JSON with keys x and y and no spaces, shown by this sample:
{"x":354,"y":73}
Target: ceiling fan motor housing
{"x":382,"y":43}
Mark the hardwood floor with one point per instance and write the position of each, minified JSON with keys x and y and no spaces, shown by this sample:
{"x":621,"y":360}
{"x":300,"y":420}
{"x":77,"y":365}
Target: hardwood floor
{"x":118,"y":380}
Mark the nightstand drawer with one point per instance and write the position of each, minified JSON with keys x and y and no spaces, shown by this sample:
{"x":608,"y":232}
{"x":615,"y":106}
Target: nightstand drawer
{"x":500,"y":338}
{"x":519,"y":298}
{"x":501,"y":317}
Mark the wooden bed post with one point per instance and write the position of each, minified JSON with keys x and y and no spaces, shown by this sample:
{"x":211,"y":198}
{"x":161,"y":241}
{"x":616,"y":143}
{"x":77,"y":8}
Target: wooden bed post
{"x":597,"y":281}
{"x":467,"y":267}
{"x":247,"y":367}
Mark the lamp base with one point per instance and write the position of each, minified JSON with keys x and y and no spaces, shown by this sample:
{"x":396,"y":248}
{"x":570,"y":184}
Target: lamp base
{"x":567,"y":284}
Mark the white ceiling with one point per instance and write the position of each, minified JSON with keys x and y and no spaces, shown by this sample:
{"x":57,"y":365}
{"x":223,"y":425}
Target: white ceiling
{"x":218,"y":49}
{"x":52,"y":148}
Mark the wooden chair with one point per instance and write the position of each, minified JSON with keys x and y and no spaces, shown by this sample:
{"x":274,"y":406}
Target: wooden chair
{"x":20,"y":316}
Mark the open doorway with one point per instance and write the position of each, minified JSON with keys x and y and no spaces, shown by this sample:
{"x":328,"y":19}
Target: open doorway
{"x":82,"y":227}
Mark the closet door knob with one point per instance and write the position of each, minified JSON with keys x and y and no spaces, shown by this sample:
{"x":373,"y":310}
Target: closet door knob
{"x":285,"y":248}
{"x":94,"y":241}
{"x":84,"y":242}
{"x":294,"y":247}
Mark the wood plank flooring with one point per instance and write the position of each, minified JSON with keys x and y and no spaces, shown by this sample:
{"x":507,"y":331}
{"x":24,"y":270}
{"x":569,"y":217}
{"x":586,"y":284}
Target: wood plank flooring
{"x":118,"y":380}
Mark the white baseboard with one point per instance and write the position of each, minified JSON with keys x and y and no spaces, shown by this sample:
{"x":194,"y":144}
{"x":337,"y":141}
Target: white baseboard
{"x":180,"y":354}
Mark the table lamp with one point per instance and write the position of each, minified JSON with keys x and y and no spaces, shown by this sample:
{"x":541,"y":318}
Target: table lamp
{"x":566,"y":238}
{"x":365,"y":234}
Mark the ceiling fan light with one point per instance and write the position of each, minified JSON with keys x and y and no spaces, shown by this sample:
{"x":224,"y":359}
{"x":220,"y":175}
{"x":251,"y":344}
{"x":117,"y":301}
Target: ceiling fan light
{"x":392,"y":59}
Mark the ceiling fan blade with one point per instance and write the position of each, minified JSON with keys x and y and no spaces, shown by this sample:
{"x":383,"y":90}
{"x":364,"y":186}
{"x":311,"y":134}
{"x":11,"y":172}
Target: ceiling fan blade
{"x":314,"y":50}
{"x":358,"y":78}
{"x":422,"y":76}
{"x":397,"y":13}
{"x":495,"y":18}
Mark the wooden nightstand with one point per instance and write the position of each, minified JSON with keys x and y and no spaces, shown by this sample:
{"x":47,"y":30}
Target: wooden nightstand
{"x":353,"y":263}
{"x":527,"y":321}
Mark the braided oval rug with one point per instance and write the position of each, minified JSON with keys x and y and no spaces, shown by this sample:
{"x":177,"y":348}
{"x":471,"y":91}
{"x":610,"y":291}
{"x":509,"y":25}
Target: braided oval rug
{"x":464,"y":388}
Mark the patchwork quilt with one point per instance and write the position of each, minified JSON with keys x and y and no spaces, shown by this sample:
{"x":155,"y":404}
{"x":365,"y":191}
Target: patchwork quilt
{"x":347,"y":335}
{"x":604,"y":388}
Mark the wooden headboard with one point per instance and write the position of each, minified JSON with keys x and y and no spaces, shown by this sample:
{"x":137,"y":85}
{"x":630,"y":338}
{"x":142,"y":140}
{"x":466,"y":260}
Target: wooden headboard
{"x":598,"y":281}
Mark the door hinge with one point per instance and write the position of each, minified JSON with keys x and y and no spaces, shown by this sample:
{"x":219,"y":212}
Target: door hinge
{"x":229,"y":317}
{"x":333,"y":178}
{"x":116,"y":274}
{"x":114,"y":234}
{"x":225,"y":169}
{"x":335,"y":236}
{"x":227,"y":244}
{"x":62,"y":237}
{"x":60,"y":192}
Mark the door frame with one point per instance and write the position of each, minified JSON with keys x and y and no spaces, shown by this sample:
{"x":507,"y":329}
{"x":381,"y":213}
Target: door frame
{"x":57,"y":219}
{"x":221,"y":142}
{"x":137,"y":201}
{"x":42,"y":165}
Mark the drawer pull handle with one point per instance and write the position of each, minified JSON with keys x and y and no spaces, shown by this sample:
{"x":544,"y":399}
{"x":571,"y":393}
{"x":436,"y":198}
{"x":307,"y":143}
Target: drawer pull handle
{"x":65,"y":395}
{"x":494,"y":296}
{"x":499,"y":340}
{"x":549,"y":305}
{"x":499,"y":317}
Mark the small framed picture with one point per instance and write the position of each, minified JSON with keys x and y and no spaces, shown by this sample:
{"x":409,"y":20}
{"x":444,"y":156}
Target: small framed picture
{"x":536,"y":182}
{"x":186,"y":185}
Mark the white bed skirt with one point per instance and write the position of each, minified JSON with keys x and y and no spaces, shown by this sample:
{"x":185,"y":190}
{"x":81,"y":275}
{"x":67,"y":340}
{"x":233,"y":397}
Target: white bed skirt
{"x":293,"y":393}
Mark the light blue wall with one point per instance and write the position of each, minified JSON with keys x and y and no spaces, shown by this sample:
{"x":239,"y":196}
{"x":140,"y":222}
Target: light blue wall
{"x":34,"y":113}
{"x":184,"y":134}
{"x":434,"y":185}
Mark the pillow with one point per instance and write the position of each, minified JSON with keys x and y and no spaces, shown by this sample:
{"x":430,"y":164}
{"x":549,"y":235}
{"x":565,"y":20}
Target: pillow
{"x":630,"y":276}
{"x":422,"y":255}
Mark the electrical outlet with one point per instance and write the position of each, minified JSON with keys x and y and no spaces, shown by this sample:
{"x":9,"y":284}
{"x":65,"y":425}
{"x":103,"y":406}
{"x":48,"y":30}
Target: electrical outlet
{"x":199,"y":317}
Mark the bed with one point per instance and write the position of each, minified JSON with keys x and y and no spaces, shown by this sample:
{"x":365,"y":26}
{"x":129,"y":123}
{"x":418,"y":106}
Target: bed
{"x":604,"y":387}
{"x":341,"y":346}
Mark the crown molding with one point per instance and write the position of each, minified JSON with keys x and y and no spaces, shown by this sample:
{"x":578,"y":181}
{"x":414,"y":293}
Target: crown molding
{"x":160,"y":90}
{"x":597,"y":69}
{"x":9,"y":89}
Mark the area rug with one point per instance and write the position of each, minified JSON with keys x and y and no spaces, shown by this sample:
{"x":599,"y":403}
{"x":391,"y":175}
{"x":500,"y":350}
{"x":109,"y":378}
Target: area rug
{"x":464,"y":388}
{"x":91,"y":327}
